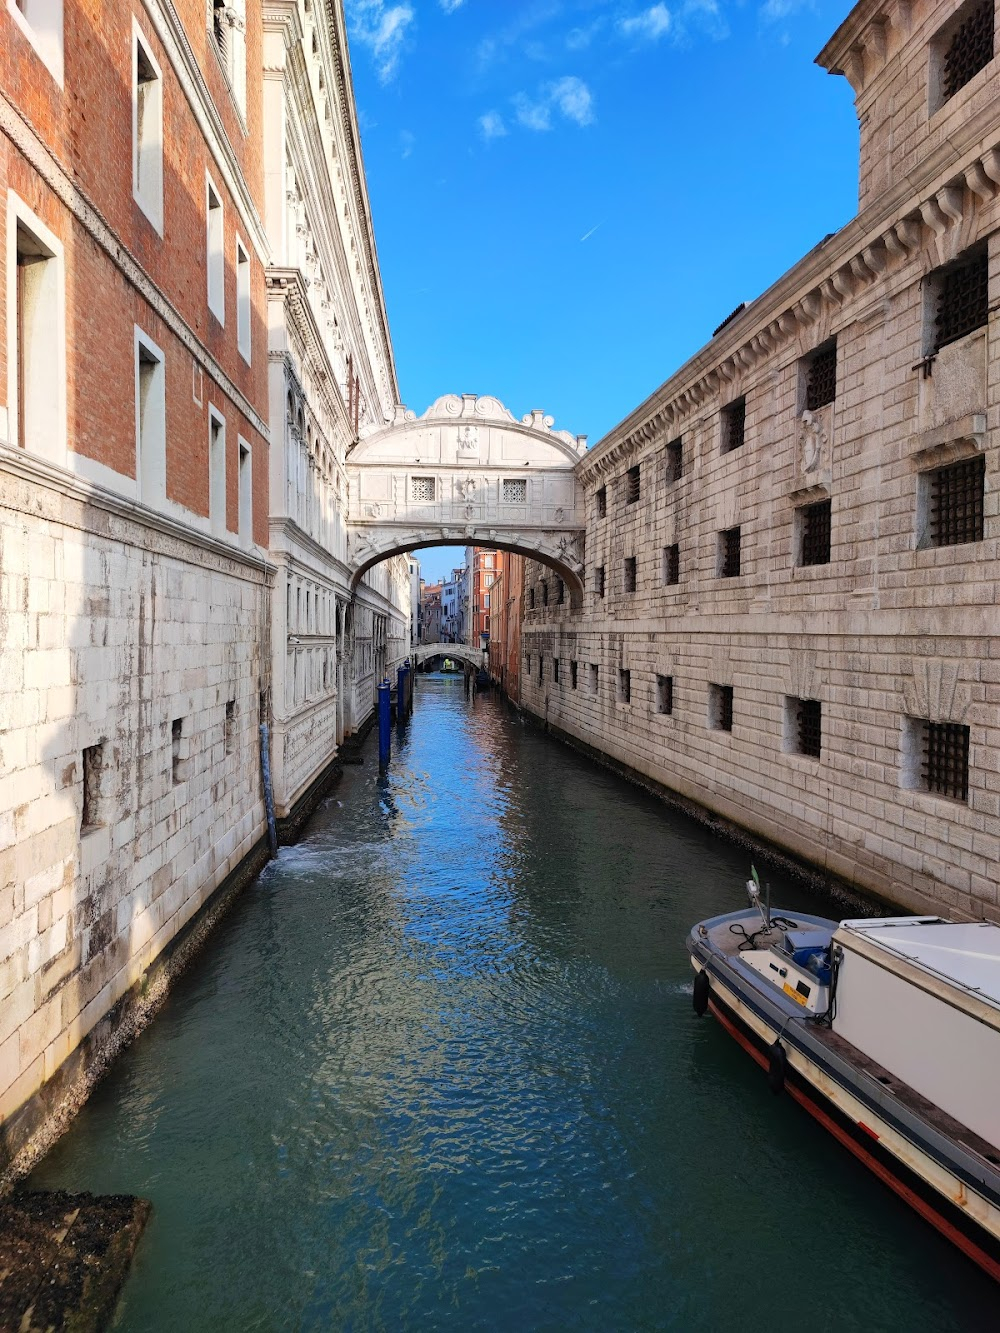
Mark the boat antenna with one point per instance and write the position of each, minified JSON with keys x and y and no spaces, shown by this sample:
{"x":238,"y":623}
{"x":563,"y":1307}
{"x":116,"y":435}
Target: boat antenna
{"x":753,"y":893}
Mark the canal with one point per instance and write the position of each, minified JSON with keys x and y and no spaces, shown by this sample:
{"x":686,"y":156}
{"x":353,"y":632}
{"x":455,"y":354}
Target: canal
{"x":439,"y":1070}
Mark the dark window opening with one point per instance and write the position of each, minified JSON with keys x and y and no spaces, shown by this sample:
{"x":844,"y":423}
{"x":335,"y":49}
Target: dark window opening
{"x":231,"y":721}
{"x":722,"y":707}
{"x":675,"y":461}
{"x":531,"y":599}
{"x":555,"y":670}
{"x":630,"y":573}
{"x":176,"y":763}
{"x":816,"y":524}
{"x":93,"y":763}
{"x":809,"y":727}
{"x":602,"y":502}
{"x":946,"y":759}
{"x":632,"y":485}
{"x":572,"y":675}
{"x":734,"y":425}
{"x":560,"y":593}
{"x":672,"y":564}
{"x":541,"y":668}
{"x":821,"y":377}
{"x":624,"y":686}
{"x":665,"y":694}
{"x":545,"y":593}
{"x":599,"y":580}
{"x":956,"y":502}
{"x":963,"y":298}
{"x":729,"y":565}
{"x":970,"y":49}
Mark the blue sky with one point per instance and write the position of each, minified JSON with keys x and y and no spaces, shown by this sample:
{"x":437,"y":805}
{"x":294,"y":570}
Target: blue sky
{"x":569,"y":195}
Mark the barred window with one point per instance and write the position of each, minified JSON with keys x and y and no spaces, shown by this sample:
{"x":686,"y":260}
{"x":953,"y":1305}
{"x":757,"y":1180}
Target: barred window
{"x":720,"y":700}
{"x":970,"y":48}
{"x":545,"y":593}
{"x":815,"y":521}
{"x":515,"y":491}
{"x":602,"y":502}
{"x":665,"y":694}
{"x":945,"y":759}
{"x":734,"y":425}
{"x":632,"y":485}
{"x":956,"y":495}
{"x":630,"y":573}
{"x":421,"y":488}
{"x":821,"y":377}
{"x":672,"y":564}
{"x":624,"y":686}
{"x":572,"y":673}
{"x":599,"y":580}
{"x":675,"y":461}
{"x":729,"y":553}
{"x":807,"y":727}
{"x":962,"y":297}
{"x":560,"y":593}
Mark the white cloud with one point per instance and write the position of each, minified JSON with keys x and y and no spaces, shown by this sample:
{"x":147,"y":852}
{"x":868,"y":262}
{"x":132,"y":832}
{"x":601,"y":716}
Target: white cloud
{"x":407,"y":139}
{"x":650,"y":25}
{"x":491,"y":125}
{"x":382,"y":28}
{"x":449,"y":6}
{"x":532,"y":115}
{"x":772,"y":11}
{"x":574,"y":99}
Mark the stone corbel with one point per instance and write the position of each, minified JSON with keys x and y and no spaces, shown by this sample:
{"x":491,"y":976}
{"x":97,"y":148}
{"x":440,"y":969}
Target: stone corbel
{"x":991,"y":165}
{"x":979,"y":183}
{"x":949,"y":201}
{"x":943,"y":444}
{"x":875,"y":258}
{"x":843,"y":283}
{"x":934,"y":217}
{"x":854,"y":68}
{"x":812,"y":306}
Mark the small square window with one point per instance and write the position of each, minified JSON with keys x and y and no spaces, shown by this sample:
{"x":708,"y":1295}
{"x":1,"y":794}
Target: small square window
{"x":734,"y":425}
{"x":966,"y":47}
{"x":814,"y":525}
{"x":720,"y":707}
{"x":821,"y":376}
{"x":953,"y":500}
{"x":630,"y":573}
{"x":729,"y":553}
{"x":599,"y":580}
{"x":671,"y":564}
{"x":572,"y":674}
{"x":624,"y":686}
{"x":937,"y":758}
{"x":632,"y":485}
{"x":515,"y":491}
{"x":665,"y":694}
{"x":804,"y":727}
{"x":675,"y":461}
{"x":602,"y":502}
{"x":422,"y":489}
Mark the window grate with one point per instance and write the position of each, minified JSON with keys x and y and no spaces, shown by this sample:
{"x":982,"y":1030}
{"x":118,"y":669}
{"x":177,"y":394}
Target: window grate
{"x":665,"y":694}
{"x":602,"y":502}
{"x":946,"y":759}
{"x":810,"y":727}
{"x":722,"y":707}
{"x":821,"y":385}
{"x":816,"y":533}
{"x":963,"y":299}
{"x":515,"y":491}
{"x":970,"y":49}
{"x":672,"y":564}
{"x":730,"y":565}
{"x":957,"y":502}
{"x":421,"y":488}
{"x":734,"y":425}
{"x":630,"y":574}
{"x":625,"y":686}
{"x":632,"y":485}
{"x":599,"y":580}
{"x":675,"y":461}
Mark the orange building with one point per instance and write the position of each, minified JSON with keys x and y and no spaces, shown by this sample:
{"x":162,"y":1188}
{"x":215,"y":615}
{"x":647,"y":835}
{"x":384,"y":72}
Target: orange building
{"x":484,"y":569}
{"x":506,"y":610}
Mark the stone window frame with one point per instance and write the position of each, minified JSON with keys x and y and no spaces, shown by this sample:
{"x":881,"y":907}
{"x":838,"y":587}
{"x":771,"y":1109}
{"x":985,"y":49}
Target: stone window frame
{"x":623,"y":689}
{"x":931,"y":290}
{"x":229,"y":726}
{"x":800,"y":522}
{"x":601,"y":500}
{"x":806,"y":364}
{"x":555,"y":671}
{"x":514,"y":491}
{"x":796,"y":737}
{"x":244,"y":478}
{"x":633,"y":484}
{"x":733,"y":414}
{"x":664,"y":695}
{"x":147,"y":129}
{"x":92,"y":773}
{"x":630,"y":574}
{"x":150,"y":420}
{"x":926,"y":480}
{"x":593,"y":679}
{"x":724,"y":553}
{"x":217,"y":472}
{"x":673,"y":470}
{"x":937,"y":52}
{"x":912,"y":775}
{"x":721,"y":702}
{"x":600,"y":580}
{"x":671,"y":565}
{"x":42,"y":23}
{"x":244,"y":300}
{"x":215,"y":249}
{"x":573,"y":673}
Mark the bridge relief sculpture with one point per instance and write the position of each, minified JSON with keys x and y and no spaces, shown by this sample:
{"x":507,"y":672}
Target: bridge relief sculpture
{"x":468,"y":472}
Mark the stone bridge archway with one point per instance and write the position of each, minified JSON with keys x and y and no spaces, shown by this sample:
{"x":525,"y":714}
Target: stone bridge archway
{"x":460,"y":652}
{"x":468,"y":473}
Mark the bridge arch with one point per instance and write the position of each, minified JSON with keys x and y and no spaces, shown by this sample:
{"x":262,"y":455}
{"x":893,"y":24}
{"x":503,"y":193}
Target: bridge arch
{"x":468,"y":473}
{"x":461,"y":652}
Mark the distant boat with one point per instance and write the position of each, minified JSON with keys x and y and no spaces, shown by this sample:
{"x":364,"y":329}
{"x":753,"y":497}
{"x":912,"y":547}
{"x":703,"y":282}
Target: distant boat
{"x":450,"y":666}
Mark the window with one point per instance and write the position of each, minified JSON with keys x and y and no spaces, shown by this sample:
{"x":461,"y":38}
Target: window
{"x":720,"y":707}
{"x":961,"y":297}
{"x":541,"y":668}
{"x":675,"y":461}
{"x":531,"y":599}
{"x":734,"y":425}
{"x":147,"y":130}
{"x":487,"y":561}
{"x":527,"y":664}
{"x":486,"y":601}
{"x":729,"y":553}
{"x":230,"y":729}
{"x":555,"y":670}
{"x":632,"y":485}
{"x":602,"y":502}
{"x":215,"y":252}
{"x":665,"y":695}
{"x":93,"y":765}
{"x":178,"y":760}
{"x":937,"y":758}
{"x":150,"y":421}
{"x":814,"y":533}
{"x":821,"y":376}
{"x":624,"y":685}
{"x":671,"y":564}
{"x":515,"y":491}
{"x":966,"y":47}
{"x":572,"y":674}
{"x":630,"y":573}
{"x":242,"y":300}
{"x":246,"y":495}
{"x":952,"y":502}
{"x":560,"y":593}
{"x":599,"y":580}
{"x":36,"y":367}
{"x":545,"y":592}
{"x":422,"y":488}
{"x":216,"y":472}
{"x":804,"y":727}
{"x":41,"y":21}
{"x":593,"y":678}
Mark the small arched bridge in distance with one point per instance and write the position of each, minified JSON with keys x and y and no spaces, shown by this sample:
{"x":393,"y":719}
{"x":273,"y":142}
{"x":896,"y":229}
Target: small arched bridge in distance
{"x":468,"y":473}
{"x":459,"y":652}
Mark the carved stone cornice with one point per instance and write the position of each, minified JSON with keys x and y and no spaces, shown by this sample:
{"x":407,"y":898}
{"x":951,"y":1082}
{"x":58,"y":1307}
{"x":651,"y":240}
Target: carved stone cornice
{"x":289,"y":284}
{"x":866,"y":40}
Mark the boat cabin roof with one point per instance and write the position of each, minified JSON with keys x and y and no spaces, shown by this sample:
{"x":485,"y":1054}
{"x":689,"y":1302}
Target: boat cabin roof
{"x":965,"y":954}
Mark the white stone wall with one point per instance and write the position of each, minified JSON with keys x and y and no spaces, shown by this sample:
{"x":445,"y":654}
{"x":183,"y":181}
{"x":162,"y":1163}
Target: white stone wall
{"x":112,"y":629}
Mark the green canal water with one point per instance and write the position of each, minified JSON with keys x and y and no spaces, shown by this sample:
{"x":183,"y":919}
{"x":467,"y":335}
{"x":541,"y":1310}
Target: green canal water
{"x":439,"y":1069}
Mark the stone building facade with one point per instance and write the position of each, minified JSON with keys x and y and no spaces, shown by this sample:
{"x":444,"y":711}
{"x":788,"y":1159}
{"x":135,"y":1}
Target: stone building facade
{"x":791,"y":545}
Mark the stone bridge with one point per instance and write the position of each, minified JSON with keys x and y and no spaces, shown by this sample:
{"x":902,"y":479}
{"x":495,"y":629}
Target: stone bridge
{"x":467,"y":473}
{"x":459,"y":652}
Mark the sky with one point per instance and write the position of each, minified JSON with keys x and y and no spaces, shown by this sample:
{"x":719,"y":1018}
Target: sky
{"x":570,"y":195}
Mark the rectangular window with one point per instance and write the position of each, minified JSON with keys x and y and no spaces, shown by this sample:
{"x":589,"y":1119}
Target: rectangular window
{"x":938,"y":758}
{"x":729,"y":553}
{"x":527,"y":664}
{"x":632,"y":485}
{"x":572,"y":674}
{"x":602,"y":502}
{"x":954,"y":502}
{"x":178,"y":766}
{"x":814,"y":542}
{"x":545,"y":592}
{"x":242,"y":301}
{"x":560,"y":593}
{"x":41,"y":21}
{"x":734,"y":425}
{"x":93,"y":764}
{"x":216,"y":472}
{"x":246,"y":494}
{"x":671,"y":564}
{"x":515,"y":491}
{"x":624,"y":686}
{"x":665,"y":694}
{"x":555,"y":670}
{"x":968,"y":48}
{"x":675,"y":461}
{"x":720,"y":707}
{"x":150,"y":421}
{"x":821,"y":376}
{"x":593,"y":678}
{"x":422,"y":489}
{"x":230,"y":729}
{"x":630,"y":573}
{"x":147,"y":130}
{"x":961,"y":297}
{"x":804,"y":727}
{"x":215,"y":252}
{"x":486,"y":601}
{"x":599,"y":580}
{"x":541,"y":668}
{"x":37,"y":361}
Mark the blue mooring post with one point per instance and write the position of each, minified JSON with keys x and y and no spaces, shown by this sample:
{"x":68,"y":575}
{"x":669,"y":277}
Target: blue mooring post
{"x":401,"y":709}
{"x":384,"y":724}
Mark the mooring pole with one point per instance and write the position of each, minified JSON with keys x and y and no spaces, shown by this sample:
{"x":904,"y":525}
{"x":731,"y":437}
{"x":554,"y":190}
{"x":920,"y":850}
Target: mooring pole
{"x":384,"y":724}
{"x":402,"y":712}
